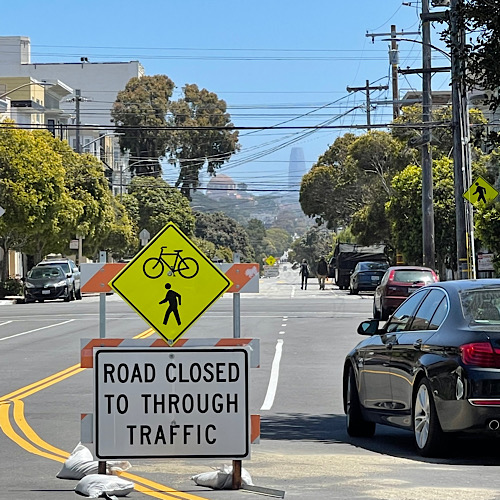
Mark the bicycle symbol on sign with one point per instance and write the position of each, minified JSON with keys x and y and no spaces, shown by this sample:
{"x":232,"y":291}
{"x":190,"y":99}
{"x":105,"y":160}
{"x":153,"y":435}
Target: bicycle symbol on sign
{"x":187,"y":267}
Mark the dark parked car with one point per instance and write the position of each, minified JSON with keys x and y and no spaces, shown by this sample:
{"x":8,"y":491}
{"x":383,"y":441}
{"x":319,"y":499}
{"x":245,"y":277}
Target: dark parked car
{"x":72,"y":272}
{"x":398,"y":283}
{"x":47,"y":283}
{"x":433,"y":368}
{"x":366,"y":276}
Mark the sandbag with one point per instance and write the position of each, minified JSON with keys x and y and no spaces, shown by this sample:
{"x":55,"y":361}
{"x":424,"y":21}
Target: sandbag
{"x":221,"y":478}
{"x":98,"y":485}
{"x":81,"y":463}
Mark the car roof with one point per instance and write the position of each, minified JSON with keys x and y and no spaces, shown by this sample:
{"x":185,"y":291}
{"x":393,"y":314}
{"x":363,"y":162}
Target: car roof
{"x":459,"y":285}
{"x":409,"y":268}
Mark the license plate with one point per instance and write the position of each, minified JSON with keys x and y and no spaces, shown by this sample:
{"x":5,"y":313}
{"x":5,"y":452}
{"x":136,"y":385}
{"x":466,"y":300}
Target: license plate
{"x":374,"y":278}
{"x":411,"y":290}
{"x":45,"y":292}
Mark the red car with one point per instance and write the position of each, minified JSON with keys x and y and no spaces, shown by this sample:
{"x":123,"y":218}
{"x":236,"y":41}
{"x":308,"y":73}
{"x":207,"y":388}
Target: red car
{"x":397,"y":284}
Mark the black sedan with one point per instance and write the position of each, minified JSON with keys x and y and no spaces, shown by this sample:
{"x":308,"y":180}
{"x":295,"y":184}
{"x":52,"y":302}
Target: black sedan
{"x":47,"y":283}
{"x":366,"y":276}
{"x":433,"y":368}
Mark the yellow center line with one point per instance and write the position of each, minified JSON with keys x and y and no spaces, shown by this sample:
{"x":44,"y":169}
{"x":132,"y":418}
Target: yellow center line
{"x":142,"y":485}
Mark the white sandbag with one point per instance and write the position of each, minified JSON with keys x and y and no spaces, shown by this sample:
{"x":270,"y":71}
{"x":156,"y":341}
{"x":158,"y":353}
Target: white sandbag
{"x":221,"y":478}
{"x":96,"y":485}
{"x":81,"y":463}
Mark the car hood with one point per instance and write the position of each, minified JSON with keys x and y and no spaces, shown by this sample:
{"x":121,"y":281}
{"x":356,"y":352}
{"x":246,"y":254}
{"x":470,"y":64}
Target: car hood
{"x":45,"y":281}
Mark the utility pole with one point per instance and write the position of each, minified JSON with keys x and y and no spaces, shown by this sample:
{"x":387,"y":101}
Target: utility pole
{"x":394,"y":62}
{"x":428,"y":243}
{"x":461,"y":150}
{"x":78,"y":98}
{"x":367,"y":89}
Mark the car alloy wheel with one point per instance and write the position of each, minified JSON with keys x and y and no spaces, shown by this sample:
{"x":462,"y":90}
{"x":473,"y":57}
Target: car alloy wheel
{"x":429,"y":436}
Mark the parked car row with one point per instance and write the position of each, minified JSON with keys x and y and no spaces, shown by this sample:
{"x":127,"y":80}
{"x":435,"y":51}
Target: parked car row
{"x":53,"y":279}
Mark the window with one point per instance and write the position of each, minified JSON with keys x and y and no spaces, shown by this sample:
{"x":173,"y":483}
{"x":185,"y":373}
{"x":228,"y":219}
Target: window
{"x":405,"y":312}
{"x":439,"y":315}
{"x":426,"y":311}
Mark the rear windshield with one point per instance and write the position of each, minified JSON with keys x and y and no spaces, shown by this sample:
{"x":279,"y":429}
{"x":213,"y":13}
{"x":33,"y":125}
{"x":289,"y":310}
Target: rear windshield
{"x":373,"y":266}
{"x":408,"y":276}
{"x":481,"y":306}
{"x":46,"y":272}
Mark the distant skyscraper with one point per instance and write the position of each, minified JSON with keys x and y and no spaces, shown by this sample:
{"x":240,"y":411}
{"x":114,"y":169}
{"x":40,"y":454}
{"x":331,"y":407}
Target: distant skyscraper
{"x":296,"y":169}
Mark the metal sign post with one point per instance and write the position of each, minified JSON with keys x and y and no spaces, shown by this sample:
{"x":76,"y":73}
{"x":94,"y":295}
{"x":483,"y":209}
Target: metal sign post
{"x":102,"y":304}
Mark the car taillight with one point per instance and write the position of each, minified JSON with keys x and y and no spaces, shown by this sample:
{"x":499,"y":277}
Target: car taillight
{"x":480,"y":354}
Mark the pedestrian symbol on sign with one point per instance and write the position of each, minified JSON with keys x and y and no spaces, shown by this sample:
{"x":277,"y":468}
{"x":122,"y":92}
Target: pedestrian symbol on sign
{"x":480,"y":193}
{"x":172,"y":298}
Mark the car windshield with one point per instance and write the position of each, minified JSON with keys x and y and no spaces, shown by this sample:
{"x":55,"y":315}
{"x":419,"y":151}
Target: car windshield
{"x":46,"y":272}
{"x":413,"y":276}
{"x":481,"y":306}
{"x":63,"y":265}
{"x":373,"y":266}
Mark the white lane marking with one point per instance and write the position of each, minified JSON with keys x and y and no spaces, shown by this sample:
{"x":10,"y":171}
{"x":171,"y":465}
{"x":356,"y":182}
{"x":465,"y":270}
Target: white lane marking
{"x":37,"y":329}
{"x":273,"y":380}
{"x":282,"y":333}
{"x":293,"y":292}
{"x":6,"y":322}
{"x":283,"y":324}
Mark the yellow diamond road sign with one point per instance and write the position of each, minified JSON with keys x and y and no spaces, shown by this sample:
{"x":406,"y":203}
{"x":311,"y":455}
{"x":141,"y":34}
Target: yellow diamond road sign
{"x":270,"y":260}
{"x":481,"y":192}
{"x":170,"y":283}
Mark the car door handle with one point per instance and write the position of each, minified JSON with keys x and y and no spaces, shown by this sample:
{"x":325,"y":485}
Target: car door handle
{"x":417,"y":344}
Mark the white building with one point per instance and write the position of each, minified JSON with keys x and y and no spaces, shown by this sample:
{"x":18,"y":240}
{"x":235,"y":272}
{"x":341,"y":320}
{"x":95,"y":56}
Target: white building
{"x":97,"y":83}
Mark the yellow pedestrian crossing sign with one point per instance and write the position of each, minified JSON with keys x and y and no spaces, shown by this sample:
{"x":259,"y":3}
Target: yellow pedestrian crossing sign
{"x":170,"y":283}
{"x":270,"y":261}
{"x":481,"y":192}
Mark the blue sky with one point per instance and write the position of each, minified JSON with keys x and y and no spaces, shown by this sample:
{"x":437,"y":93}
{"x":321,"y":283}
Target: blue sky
{"x":271,"y":61}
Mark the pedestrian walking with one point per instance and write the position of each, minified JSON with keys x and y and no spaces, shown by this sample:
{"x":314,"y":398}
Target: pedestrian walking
{"x":304,"y":273}
{"x":322,"y":272}
{"x":174,"y":300}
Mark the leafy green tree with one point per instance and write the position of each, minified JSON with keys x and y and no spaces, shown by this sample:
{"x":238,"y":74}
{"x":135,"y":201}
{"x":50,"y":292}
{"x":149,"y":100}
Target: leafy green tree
{"x":311,"y":246}
{"x":88,"y":188}
{"x":32,"y":190}
{"x":121,"y":240}
{"x":277,"y":241}
{"x":404,"y":211}
{"x":256,"y":233}
{"x":329,"y":191}
{"x":481,"y":20}
{"x":224,"y":232}
{"x":207,"y":139}
{"x":152,"y":203}
{"x":487,"y":225}
{"x":140,"y":114}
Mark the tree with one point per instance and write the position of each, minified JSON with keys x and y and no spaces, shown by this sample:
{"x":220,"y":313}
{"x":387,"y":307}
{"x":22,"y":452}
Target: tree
{"x":277,"y":241}
{"x":224,"y":232}
{"x":481,"y":20}
{"x":256,"y":234}
{"x":404,"y":211}
{"x":87,"y":186}
{"x":328,"y":191}
{"x":139,"y":113}
{"x":152,"y":203}
{"x":32,"y":189}
{"x":208,"y":140}
{"x":315,"y":243}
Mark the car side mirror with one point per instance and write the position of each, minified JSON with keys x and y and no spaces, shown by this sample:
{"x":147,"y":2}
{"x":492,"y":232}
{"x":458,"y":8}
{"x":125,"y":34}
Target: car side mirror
{"x":369,"y":327}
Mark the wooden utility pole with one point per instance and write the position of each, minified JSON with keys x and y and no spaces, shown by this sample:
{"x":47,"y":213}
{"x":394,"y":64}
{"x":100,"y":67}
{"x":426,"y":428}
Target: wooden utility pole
{"x":461,"y":150}
{"x":428,"y":242}
{"x":394,"y":60}
{"x":367,"y":89}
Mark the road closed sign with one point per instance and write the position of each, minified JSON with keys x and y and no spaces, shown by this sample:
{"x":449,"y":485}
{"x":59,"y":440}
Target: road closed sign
{"x":171,"y":403}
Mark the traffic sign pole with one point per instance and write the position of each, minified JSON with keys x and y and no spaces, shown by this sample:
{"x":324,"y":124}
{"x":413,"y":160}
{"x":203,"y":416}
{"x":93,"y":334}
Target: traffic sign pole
{"x":102,"y":304}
